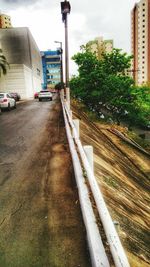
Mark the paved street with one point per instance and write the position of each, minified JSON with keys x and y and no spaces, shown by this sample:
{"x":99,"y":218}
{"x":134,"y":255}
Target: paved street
{"x":40,"y":218}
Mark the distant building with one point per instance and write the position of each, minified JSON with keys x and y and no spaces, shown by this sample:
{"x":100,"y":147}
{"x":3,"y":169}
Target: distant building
{"x":25,"y":67}
{"x":51,"y":63}
{"x":99,"y":46}
{"x":108,"y":46}
{"x":140,"y":18}
{"x":5,"y":21}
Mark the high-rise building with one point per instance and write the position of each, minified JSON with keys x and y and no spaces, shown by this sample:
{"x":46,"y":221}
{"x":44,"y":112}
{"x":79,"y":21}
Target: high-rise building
{"x":5,"y":21}
{"x":51,"y":62}
{"x":140,"y":18}
{"x":98,"y":46}
{"x":24,"y":74}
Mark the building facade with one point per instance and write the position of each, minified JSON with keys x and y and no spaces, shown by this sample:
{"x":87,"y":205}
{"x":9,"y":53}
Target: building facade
{"x":141,"y":42}
{"x":25,"y":67}
{"x":5,"y":21}
{"x":51,"y":63}
{"x":100,"y":46}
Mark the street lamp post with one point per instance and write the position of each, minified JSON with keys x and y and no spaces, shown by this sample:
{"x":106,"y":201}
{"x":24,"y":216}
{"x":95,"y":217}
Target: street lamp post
{"x":65,"y":10}
{"x":61,"y":63}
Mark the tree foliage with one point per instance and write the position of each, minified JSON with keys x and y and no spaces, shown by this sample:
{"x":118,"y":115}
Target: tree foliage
{"x":59,"y":86}
{"x":3,"y":63}
{"x":105,"y":83}
{"x":139,"y":110}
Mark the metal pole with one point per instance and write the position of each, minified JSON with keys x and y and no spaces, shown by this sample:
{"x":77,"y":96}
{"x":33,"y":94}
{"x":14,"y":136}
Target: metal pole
{"x":66,"y":53}
{"x":65,"y":10}
{"x":61,"y":65}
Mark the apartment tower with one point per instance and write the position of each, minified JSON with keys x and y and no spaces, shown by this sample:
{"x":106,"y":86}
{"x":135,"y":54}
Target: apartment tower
{"x":100,"y":46}
{"x":5,"y":21}
{"x":141,"y":42}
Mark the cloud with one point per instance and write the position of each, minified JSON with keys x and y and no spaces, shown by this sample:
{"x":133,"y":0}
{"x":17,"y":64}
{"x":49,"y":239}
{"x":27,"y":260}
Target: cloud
{"x":17,"y":1}
{"x":16,"y":4}
{"x":87,"y":20}
{"x":44,"y":20}
{"x":110,"y":19}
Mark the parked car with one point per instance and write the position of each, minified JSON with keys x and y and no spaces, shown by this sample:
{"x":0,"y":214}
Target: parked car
{"x":36,"y":95}
{"x":47,"y":95}
{"x":6,"y":101}
{"x":16,"y":96}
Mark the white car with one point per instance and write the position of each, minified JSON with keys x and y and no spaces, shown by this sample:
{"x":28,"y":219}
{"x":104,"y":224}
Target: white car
{"x":6,"y":101}
{"x":45,"y":95}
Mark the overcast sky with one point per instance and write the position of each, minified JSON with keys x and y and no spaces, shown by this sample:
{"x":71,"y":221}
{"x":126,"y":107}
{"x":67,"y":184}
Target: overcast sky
{"x":87,"y":20}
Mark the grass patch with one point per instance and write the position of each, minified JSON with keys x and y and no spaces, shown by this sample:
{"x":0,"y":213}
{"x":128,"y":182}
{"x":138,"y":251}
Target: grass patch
{"x":92,"y":115}
{"x":111,"y":182}
{"x":143,"y":143}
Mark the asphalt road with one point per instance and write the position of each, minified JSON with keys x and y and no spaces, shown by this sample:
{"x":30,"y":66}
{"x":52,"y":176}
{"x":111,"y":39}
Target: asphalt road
{"x":20,"y":130}
{"x":40,"y":218}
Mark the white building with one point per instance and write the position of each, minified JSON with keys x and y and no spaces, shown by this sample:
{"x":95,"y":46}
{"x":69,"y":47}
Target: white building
{"x":25,"y":67}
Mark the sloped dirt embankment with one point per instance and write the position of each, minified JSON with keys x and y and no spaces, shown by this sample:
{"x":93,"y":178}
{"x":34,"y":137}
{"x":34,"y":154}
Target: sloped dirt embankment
{"x":123,"y":175}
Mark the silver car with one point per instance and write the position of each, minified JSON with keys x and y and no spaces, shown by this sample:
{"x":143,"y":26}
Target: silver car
{"x":6,"y":101}
{"x":45,"y":95}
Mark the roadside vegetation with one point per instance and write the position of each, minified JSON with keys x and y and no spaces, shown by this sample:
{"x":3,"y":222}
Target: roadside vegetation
{"x":105,"y":87}
{"x":108,"y":123}
{"x":3,"y":63}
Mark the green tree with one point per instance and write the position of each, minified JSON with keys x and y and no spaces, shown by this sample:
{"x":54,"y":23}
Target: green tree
{"x":103,"y":82}
{"x":58,"y":86}
{"x":139,"y":109}
{"x":3,"y":63}
{"x":116,"y":62}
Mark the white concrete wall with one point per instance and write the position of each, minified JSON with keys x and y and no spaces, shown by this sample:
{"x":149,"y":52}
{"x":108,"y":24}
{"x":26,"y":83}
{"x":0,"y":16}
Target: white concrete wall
{"x":13,"y":81}
{"x":28,"y":80}
{"x":19,"y":79}
{"x":23,"y":55}
{"x":37,"y":84}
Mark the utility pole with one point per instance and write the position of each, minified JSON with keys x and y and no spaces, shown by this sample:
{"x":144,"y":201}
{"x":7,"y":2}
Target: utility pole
{"x":65,"y":10}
